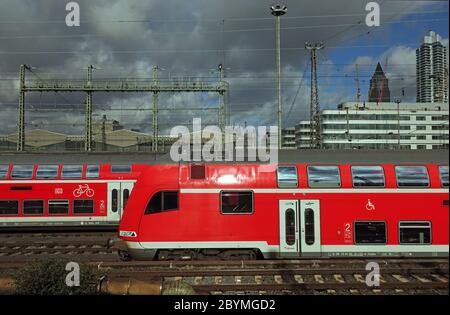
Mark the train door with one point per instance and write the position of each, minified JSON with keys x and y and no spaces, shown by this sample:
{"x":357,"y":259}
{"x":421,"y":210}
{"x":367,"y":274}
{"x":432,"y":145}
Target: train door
{"x":310,"y":228}
{"x":118,"y":193}
{"x":289,"y":228}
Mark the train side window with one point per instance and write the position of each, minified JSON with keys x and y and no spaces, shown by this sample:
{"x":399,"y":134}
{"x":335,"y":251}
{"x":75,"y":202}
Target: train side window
{"x":443,"y":170}
{"x":324,"y":176}
{"x":33,"y":207}
{"x":114,"y":200}
{"x":72,"y":171}
{"x":414,"y":232}
{"x":9,"y":207}
{"x":92,"y":171}
{"x":236,"y":202}
{"x":287,"y":177}
{"x":47,"y":172}
{"x":162,"y":201}
{"x":126,"y":196}
{"x":368,"y":176}
{"x":373,"y":232}
{"x":22,"y":172}
{"x":83,"y":206}
{"x":58,"y":207}
{"x":4,"y":171}
{"x":198,"y":171}
{"x":309,"y":227}
{"x":412,"y":176}
{"x":121,"y":169}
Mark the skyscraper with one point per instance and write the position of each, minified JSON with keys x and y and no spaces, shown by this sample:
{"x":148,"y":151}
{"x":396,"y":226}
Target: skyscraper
{"x":379,"y":87}
{"x":431,"y":70}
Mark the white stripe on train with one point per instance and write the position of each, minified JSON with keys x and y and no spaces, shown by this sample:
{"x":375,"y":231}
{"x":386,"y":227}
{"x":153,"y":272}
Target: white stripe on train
{"x":264,"y":247}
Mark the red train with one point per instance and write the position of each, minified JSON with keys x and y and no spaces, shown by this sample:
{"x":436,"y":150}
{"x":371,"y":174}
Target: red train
{"x":310,"y":204}
{"x":66,"y":191}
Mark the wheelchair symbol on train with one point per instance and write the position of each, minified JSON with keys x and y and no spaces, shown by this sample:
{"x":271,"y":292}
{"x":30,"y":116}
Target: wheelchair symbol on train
{"x":370,"y":206}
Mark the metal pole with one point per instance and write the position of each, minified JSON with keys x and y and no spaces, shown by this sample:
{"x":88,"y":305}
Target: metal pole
{"x":88,"y":127}
{"x":278,"y":11}
{"x":155,"y":111}
{"x":315,"y":119}
{"x":222,"y":102}
{"x":398,"y":125}
{"x":21,"y":119}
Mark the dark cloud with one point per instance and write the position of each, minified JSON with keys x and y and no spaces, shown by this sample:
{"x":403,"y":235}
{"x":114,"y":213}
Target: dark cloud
{"x":125,"y":38}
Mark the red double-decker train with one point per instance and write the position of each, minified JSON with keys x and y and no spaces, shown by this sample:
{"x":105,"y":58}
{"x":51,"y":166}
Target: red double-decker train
{"x":64,"y":191}
{"x":309,"y":204}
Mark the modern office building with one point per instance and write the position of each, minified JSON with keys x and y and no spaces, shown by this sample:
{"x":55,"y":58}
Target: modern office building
{"x":431,"y":70}
{"x":381,"y":126}
{"x":289,"y":138}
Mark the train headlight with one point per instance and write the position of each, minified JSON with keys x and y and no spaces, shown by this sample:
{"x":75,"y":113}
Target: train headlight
{"x":128,"y":233}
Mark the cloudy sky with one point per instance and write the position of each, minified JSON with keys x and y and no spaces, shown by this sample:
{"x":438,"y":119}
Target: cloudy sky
{"x":189,"y":38}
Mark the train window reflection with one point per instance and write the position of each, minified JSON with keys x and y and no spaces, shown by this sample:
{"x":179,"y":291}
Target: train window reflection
{"x":443,"y":170}
{"x":290,"y":227}
{"x":33,"y":207}
{"x":92,"y":171}
{"x":368,"y":176}
{"x":162,"y":201}
{"x":47,"y":172}
{"x":58,"y":207}
{"x":126,"y":195}
{"x":412,"y":176}
{"x":324,"y":176}
{"x":287,"y":177}
{"x":83,"y":206}
{"x":415,"y":232}
{"x":114,"y":200}
{"x":72,"y":171}
{"x":370,"y":232}
{"x":236,"y":202}
{"x":309,"y":227}
{"x":3,"y":171}
{"x":22,"y":171}
{"x":9,"y":207}
{"x":121,"y":168}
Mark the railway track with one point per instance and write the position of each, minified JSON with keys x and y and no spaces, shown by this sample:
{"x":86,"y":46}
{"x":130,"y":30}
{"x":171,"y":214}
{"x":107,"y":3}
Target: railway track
{"x":84,"y":246}
{"x":297,"y":277}
{"x":324,"y":276}
{"x":343,"y":276}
